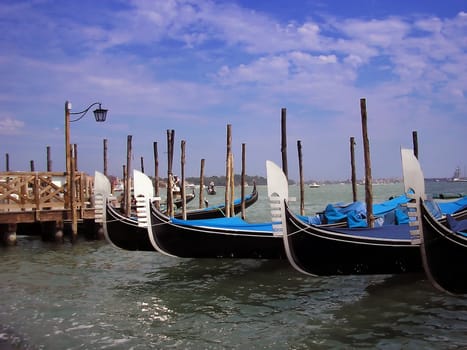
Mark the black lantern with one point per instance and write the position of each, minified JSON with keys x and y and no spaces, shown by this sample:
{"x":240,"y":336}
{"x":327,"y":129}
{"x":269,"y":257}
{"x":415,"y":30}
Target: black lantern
{"x":100,"y":114}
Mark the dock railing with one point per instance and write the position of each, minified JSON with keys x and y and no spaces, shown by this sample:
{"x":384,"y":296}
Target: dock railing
{"x":26,"y":191}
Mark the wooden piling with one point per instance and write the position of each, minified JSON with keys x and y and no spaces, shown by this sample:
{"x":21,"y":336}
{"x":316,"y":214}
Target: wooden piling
{"x":228,"y":171}
{"x":142,"y":164}
{"x":92,"y":230}
{"x":105,"y":156}
{"x":74,"y":216}
{"x":243,"y":209}
{"x":415,"y":143}
{"x":284,"y":141}
{"x":201,"y":184}
{"x":182,"y":185}
{"x":128,"y":176}
{"x":7,"y":162}
{"x":52,"y":231}
{"x":368,"y":178}
{"x":75,"y":152}
{"x":352,"y":166}
{"x":302,"y":184}
{"x":8,"y":234}
{"x":170,"y":144}
{"x":31,"y":165}
{"x":123,"y":197}
{"x":156,"y":173}
{"x":49,"y":160}
{"x":59,"y":231}
{"x":232,"y":185}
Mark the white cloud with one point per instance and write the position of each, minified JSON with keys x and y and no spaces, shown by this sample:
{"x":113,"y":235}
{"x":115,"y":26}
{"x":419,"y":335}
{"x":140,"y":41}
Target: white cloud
{"x":379,"y":33}
{"x":10,"y":126}
{"x":174,"y":60}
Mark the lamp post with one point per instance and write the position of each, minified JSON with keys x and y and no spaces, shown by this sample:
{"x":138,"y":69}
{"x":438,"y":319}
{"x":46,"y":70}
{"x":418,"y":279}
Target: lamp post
{"x":100,"y":116}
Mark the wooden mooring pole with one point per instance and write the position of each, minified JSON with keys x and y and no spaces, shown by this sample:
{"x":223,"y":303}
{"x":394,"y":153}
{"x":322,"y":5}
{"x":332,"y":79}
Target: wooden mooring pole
{"x":170,"y":198}
{"x":228,"y":171}
{"x":352,"y":166}
{"x":123,"y":197}
{"x":74,"y":215}
{"x":302,"y":185}
{"x":128,"y":177}
{"x":201,"y":184}
{"x":242,"y":189}
{"x":105,"y":157}
{"x":368,"y":178}
{"x":284,"y":141}
{"x":182,"y":174}
{"x":49,"y":160}
{"x":75,"y":158}
{"x":232,"y":185}
{"x":156,"y":173}
{"x":415,"y":143}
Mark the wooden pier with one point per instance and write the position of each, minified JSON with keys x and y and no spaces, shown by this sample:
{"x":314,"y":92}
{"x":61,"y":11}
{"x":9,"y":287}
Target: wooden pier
{"x":41,"y":198}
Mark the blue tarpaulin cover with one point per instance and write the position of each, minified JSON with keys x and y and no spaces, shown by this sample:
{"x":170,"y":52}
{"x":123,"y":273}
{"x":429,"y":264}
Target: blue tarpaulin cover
{"x":454,"y":206}
{"x":234,"y":223}
{"x":457,"y":225}
{"x":355,"y":213}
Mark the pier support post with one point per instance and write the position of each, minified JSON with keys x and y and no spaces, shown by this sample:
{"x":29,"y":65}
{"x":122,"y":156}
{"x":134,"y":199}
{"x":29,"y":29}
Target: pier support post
{"x":52,"y":231}
{"x":92,"y":230}
{"x":8,"y":232}
{"x":100,"y":233}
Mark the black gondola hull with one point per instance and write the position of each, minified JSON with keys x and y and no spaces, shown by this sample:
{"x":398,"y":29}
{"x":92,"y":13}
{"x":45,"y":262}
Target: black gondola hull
{"x":444,"y":255}
{"x":219,"y":212}
{"x":124,"y":232}
{"x":211,"y":242}
{"x":322,"y":252}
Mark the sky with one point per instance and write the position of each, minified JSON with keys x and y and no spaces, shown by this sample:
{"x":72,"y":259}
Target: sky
{"x":196,"y":67}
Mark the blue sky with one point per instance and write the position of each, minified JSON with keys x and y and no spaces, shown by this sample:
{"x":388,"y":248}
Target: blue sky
{"x":196,"y":66}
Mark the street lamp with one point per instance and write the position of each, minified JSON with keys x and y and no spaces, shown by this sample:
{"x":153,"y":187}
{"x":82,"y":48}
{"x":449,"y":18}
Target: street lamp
{"x":100,"y":115}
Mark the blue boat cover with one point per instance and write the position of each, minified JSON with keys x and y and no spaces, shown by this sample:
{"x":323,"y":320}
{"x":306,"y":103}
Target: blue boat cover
{"x":390,"y":212}
{"x":232,"y":223}
{"x":452,"y":207}
{"x":236,"y":202}
{"x":396,"y":232}
{"x":456,"y":225}
{"x":389,"y":205}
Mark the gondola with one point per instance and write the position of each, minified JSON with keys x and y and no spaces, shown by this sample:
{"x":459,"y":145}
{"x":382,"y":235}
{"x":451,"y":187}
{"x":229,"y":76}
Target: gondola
{"x":125,"y":232}
{"x":444,"y":254}
{"x":322,"y":251}
{"x":443,"y":247}
{"x":456,"y":208}
{"x":211,"y":189}
{"x":208,"y":238}
{"x":390,"y":211}
{"x":214,"y":238}
{"x":119,"y":230}
{"x":178,"y":201}
{"x":219,"y":210}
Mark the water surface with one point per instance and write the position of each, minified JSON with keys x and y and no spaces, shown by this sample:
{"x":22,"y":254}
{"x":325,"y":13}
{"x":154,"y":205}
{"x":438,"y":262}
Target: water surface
{"x":90,"y":295}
